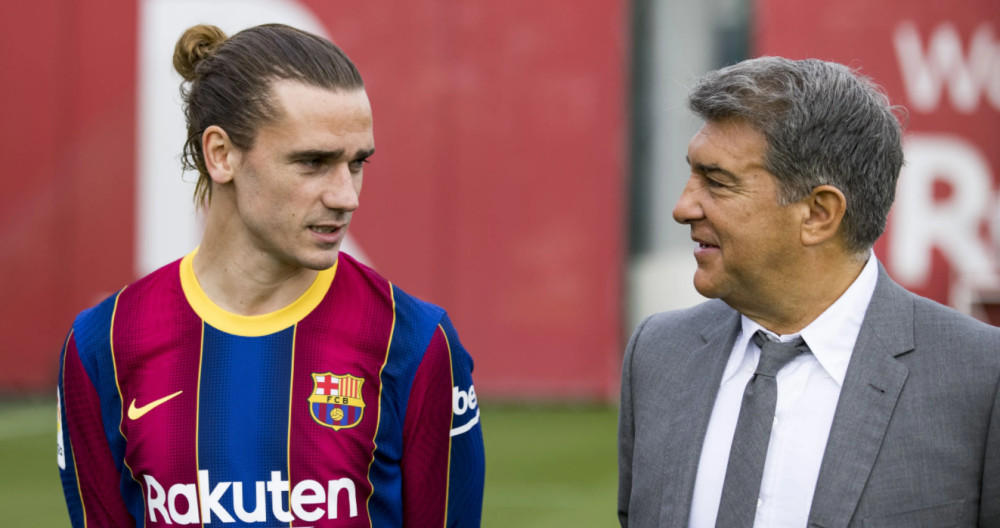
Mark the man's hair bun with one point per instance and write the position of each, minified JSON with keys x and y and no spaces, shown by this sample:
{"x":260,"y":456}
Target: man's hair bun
{"x":197,"y":43}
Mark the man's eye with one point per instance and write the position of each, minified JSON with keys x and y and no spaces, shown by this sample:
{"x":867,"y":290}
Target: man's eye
{"x":357,"y":165}
{"x":311,"y":163}
{"x":712,"y":183}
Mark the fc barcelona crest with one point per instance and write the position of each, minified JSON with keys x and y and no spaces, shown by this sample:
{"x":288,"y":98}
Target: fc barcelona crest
{"x":336,"y":400}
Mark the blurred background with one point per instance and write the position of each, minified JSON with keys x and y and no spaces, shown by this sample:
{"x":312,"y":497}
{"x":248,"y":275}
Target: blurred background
{"x":529,"y":156}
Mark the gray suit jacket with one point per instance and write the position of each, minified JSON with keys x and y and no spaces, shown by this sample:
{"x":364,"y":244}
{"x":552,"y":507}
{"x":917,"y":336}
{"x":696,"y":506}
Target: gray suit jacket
{"x":915,"y":439}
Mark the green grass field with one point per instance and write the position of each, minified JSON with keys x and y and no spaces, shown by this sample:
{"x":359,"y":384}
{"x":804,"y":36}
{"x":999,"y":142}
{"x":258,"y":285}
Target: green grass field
{"x":546,"y":466}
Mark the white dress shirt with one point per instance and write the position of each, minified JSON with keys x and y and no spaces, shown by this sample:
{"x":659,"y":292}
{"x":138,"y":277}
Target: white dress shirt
{"x":808,"y":390}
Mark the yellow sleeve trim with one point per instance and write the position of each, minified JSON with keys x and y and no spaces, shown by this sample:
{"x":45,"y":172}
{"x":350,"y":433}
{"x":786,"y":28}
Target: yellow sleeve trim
{"x":451,"y":371}
{"x":252,"y":325}
{"x":76,"y":468}
{"x":378,"y":421}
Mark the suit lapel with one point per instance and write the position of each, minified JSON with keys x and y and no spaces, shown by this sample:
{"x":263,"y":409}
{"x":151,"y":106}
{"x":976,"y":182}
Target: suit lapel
{"x":694,"y":400}
{"x":871,"y":388}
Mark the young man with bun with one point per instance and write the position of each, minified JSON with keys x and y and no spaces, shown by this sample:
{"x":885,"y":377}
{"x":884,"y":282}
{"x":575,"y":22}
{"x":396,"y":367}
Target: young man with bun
{"x":266,"y":378}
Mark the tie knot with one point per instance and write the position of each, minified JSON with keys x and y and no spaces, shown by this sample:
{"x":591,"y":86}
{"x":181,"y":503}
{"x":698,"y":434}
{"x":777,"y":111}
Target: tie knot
{"x":774,"y":354}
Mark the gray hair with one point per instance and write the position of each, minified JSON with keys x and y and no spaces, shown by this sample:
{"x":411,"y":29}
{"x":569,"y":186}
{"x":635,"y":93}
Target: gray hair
{"x":825,"y":124}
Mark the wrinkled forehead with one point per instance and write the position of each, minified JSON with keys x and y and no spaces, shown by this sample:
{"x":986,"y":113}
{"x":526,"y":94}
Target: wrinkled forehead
{"x":729,"y":138}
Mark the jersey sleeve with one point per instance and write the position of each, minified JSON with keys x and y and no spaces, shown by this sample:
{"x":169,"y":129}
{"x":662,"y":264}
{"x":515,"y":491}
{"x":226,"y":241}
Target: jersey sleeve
{"x":89,"y":476}
{"x":443,"y":461}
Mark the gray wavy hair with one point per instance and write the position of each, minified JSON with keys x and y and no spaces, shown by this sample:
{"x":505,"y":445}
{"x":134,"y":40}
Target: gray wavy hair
{"x":825,"y":124}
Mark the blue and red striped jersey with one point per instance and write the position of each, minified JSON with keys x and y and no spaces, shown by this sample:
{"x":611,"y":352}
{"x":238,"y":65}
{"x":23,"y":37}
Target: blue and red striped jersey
{"x":352,"y":407}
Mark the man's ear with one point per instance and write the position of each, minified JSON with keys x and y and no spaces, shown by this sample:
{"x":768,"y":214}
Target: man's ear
{"x":220,"y":154}
{"x":826,"y":207}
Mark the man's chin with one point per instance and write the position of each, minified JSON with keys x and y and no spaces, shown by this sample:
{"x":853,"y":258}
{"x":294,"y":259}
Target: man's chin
{"x":706,"y":286}
{"x":321,"y":262}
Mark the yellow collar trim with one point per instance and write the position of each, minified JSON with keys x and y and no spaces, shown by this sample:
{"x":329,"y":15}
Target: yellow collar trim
{"x":252,"y":325}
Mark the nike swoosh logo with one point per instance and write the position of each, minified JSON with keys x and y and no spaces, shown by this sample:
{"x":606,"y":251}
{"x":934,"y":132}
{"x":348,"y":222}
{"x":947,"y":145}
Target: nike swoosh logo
{"x":134,"y":413}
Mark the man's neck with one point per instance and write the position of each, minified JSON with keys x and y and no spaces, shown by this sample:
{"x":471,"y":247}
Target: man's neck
{"x":246,"y":280}
{"x":805,"y":296}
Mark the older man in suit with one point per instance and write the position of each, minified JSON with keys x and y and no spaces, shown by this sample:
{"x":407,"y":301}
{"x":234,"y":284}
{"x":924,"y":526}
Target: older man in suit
{"x":812,"y":390}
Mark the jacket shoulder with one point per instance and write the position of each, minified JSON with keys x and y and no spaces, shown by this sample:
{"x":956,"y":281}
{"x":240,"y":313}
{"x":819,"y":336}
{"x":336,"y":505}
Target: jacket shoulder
{"x":954,"y":331}
{"x":942,"y":336}
{"x":930,"y":312}
{"x":664,"y":333}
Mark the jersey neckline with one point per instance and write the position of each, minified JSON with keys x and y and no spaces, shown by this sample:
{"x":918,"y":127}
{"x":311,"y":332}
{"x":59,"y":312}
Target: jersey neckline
{"x":252,"y":325}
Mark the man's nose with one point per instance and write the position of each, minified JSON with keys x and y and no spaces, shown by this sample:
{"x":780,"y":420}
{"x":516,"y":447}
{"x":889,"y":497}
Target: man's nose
{"x":342,"y":189}
{"x":687,"y":209}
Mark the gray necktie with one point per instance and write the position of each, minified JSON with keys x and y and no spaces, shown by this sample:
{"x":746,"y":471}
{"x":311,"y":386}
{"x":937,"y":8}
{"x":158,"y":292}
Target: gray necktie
{"x":753,"y":432}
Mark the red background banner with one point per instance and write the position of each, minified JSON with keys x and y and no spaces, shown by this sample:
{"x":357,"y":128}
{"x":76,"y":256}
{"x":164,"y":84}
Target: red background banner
{"x":68,"y":110}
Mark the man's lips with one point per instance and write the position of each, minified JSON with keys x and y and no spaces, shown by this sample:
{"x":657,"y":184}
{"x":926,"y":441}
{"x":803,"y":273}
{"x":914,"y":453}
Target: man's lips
{"x":325,"y":228}
{"x":703,"y":247}
{"x":328,"y":233}
{"x":702,"y":243}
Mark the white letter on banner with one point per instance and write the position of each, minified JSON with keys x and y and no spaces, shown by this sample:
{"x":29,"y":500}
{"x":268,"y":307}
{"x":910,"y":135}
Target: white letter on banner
{"x":953,"y":226}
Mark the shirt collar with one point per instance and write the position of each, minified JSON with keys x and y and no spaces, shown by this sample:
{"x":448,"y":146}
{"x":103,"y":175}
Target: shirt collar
{"x":831,"y":336}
